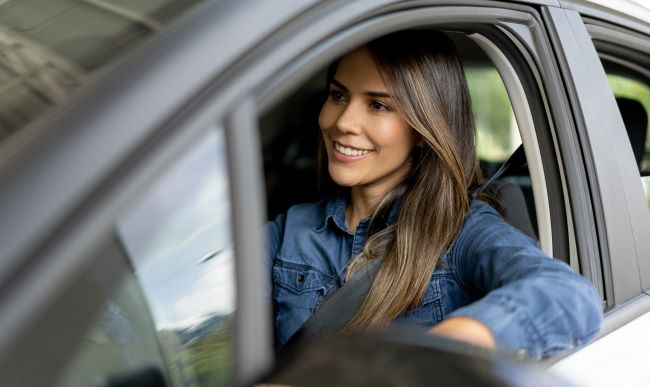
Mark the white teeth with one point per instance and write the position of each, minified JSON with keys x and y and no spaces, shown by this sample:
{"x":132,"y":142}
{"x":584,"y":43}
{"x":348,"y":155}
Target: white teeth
{"x":349,"y":151}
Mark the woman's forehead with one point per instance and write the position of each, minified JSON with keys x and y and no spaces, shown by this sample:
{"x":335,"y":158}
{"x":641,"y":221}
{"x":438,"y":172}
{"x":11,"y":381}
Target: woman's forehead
{"x":358,"y":71}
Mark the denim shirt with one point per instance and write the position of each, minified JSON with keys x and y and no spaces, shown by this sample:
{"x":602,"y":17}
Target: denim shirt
{"x":535,"y":306}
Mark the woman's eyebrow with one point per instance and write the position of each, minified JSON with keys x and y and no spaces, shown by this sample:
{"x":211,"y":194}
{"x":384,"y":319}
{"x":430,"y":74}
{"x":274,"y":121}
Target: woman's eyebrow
{"x":338,"y":84}
{"x":375,"y":94}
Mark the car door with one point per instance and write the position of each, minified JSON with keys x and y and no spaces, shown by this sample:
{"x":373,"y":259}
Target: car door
{"x":609,"y":67}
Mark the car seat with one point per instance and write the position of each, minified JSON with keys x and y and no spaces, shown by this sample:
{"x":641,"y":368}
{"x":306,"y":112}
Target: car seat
{"x":510,"y":185}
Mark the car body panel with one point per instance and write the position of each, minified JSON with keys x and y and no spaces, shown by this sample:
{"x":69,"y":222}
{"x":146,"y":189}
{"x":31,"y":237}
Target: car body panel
{"x":619,"y":358}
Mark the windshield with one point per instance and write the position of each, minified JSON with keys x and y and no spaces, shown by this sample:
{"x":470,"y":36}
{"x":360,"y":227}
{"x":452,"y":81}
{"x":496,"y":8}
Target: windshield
{"x":50,"y":49}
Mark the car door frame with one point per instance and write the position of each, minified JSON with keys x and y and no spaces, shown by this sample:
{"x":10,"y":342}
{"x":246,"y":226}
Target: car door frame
{"x":620,"y":208}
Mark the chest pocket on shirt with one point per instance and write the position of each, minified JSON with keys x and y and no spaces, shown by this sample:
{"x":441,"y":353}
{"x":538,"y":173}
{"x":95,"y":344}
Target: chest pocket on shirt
{"x":431,"y":310}
{"x":299,"y":286}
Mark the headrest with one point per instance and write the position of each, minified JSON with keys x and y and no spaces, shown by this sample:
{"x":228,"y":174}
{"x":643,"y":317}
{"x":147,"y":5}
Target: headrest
{"x":636,"y":122}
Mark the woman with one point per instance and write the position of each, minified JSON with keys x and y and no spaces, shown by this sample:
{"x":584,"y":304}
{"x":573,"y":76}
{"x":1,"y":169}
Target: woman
{"x":398,"y":133}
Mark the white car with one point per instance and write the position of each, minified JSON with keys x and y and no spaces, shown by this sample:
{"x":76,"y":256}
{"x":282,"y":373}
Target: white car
{"x":142,"y":145}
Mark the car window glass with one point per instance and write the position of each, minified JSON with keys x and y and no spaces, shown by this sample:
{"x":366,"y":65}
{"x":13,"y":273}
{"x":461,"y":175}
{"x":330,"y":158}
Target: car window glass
{"x":496,"y":128}
{"x":50,"y":49}
{"x":175,"y":307}
{"x":633,"y":97}
{"x":122,"y":336}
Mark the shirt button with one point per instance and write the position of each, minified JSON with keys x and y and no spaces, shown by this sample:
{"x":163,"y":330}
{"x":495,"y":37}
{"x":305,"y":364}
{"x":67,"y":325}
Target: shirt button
{"x":521,"y":354}
{"x":301,"y":278}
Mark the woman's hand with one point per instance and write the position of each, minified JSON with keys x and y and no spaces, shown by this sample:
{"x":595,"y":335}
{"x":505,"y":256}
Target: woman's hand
{"x":465,"y":329}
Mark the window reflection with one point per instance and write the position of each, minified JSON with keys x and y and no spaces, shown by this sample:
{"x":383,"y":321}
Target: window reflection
{"x":178,"y":238}
{"x":49,"y":50}
{"x":173,"y":308}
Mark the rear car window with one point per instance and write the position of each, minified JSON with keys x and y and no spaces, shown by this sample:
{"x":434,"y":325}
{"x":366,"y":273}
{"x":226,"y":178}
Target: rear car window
{"x":630,"y":90}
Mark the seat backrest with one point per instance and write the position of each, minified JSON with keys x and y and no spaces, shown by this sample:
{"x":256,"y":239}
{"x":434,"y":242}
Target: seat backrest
{"x":635,"y":119}
{"x":516,"y":206}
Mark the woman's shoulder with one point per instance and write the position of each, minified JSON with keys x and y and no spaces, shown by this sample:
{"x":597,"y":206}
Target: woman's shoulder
{"x":306,"y":214}
{"x":481,"y":211}
{"x":483,"y":219}
{"x":313,"y":210}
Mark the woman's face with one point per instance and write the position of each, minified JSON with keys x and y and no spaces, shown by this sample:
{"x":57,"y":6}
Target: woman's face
{"x":368,"y":143}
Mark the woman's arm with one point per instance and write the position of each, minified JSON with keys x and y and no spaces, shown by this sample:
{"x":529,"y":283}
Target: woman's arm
{"x":465,"y":329}
{"x":531,"y":304}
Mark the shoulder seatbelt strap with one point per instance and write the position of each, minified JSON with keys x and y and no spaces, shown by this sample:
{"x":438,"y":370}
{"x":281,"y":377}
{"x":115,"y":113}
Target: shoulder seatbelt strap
{"x":516,"y":159}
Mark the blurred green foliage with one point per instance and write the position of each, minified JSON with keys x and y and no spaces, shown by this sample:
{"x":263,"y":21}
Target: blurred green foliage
{"x":204,"y":362}
{"x":497,"y":132}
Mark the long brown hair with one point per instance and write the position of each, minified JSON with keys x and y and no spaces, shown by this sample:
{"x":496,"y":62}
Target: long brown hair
{"x":421,"y":69}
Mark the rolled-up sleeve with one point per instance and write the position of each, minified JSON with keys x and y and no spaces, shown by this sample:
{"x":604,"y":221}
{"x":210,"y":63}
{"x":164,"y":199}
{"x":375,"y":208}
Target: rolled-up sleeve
{"x":535,"y":306}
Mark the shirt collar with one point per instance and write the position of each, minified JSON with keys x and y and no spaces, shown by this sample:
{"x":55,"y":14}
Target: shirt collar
{"x":335,"y":213}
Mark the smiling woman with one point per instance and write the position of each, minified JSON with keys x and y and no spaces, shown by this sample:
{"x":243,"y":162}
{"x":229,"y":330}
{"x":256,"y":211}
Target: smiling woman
{"x":398,"y":144}
{"x":368,"y":142}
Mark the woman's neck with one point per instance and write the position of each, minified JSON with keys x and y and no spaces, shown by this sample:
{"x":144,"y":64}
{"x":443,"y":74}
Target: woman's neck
{"x":362,"y":203}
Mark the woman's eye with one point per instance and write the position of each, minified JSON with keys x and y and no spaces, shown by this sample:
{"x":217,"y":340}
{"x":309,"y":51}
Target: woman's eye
{"x":378,"y":106}
{"x":336,"y":95}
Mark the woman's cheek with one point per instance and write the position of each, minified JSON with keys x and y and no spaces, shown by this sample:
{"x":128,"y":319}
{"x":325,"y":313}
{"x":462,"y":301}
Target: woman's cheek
{"x":327,"y":117}
{"x":322,"y":117}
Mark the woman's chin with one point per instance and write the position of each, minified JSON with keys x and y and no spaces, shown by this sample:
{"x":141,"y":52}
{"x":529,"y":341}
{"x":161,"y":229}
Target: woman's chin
{"x":345,"y":183}
{"x":343,"y":179}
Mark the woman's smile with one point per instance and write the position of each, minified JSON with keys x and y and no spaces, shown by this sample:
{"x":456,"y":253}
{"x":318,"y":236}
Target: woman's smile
{"x":349,"y":153}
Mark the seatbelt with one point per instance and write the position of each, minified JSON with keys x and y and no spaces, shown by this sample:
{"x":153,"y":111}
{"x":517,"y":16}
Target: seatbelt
{"x":337,"y":310}
{"x":516,"y":159}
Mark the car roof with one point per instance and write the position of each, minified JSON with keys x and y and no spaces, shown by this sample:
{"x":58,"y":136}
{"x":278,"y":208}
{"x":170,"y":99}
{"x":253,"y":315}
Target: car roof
{"x":637,"y":9}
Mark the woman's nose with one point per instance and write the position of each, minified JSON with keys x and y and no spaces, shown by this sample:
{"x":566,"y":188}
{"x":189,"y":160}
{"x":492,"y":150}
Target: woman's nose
{"x":350,"y":120}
